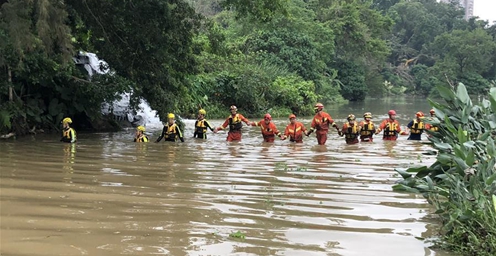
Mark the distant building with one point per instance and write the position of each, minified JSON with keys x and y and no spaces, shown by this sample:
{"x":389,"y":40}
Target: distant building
{"x":468,"y":5}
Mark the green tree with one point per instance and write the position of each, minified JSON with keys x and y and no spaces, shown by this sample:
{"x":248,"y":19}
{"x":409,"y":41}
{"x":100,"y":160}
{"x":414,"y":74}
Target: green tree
{"x":43,"y":83}
{"x":384,"y":5}
{"x":422,"y":79}
{"x":261,"y":10}
{"x":414,"y":27}
{"x":288,"y":49}
{"x":467,"y":50}
{"x":359,"y":29}
{"x":352,"y":77}
{"x":149,"y":43}
{"x":294,"y":93}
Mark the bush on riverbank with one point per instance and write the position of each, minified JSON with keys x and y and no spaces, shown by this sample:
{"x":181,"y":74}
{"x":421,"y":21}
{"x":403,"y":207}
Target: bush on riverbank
{"x":461,"y":183}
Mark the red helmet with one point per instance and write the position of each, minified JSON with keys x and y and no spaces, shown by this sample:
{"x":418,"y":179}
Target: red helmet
{"x":432,"y":112}
{"x":319,"y":106}
{"x":419,"y":114}
{"x":268,"y":117}
{"x":292,"y":116}
{"x":391,"y":112}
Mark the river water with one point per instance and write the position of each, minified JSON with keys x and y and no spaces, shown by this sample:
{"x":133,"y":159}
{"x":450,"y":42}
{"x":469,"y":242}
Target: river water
{"x":108,"y":196}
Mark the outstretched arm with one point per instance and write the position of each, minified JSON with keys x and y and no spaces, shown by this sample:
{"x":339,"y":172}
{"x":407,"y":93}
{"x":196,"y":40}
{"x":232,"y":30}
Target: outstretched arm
{"x":209,"y":126}
{"x":179,"y":133}
{"x":161,"y":135}
{"x":222,"y":127}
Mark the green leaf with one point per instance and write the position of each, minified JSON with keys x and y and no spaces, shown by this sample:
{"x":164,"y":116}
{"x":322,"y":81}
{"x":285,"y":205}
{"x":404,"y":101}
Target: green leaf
{"x":494,"y":202}
{"x":403,"y":173}
{"x":423,"y":173}
{"x":465,"y":114}
{"x":416,"y":169}
{"x":490,"y":147}
{"x":462,"y":137}
{"x":430,"y":183}
{"x":470,"y":158}
{"x":462,"y":94}
{"x":460,"y":164}
{"x":449,"y":125}
{"x":469,"y":144}
{"x":445,"y":158}
{"x":492,"y":99}
{"x":445,"y":92}
{"x":5,"y":119}
{"x":492,"y":124}
{"x":443,"y":147}
{"x":403,"y":188}
{"x":486,"y":103}
{"x":491,"y":179}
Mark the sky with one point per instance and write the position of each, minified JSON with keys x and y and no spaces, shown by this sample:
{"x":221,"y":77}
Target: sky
{"x":485,"y":9}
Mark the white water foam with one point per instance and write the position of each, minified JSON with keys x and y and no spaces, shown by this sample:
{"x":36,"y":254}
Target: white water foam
{"x":120,"y":108}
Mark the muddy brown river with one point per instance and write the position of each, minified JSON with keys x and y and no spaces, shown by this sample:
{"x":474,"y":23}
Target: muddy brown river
{"x":106,"y":195}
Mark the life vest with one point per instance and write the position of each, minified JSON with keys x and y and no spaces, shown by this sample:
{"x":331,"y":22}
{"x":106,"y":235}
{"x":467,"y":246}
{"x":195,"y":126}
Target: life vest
{"x":268,"y":130}
{"x":434,"y":129}
{"x":295,"y":132}
{"x":201,"y":127}
{"x":391,"y":129}
{"x":351,"y":131}
{"x":143,"y":138}
{"x":322,"y":121}
{"x":417,"y":127}
{"x":367,"y":129}
{"x":171,"y":134}
{"x":69,"y":135}
{"x":235,"y":123}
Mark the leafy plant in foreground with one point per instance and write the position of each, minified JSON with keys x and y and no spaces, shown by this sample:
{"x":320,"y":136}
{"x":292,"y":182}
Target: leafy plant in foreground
{"x":461,"y":183}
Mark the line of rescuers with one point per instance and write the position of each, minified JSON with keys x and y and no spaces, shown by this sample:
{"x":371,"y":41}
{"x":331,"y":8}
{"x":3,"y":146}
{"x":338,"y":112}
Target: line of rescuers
{"x":352,"y":131}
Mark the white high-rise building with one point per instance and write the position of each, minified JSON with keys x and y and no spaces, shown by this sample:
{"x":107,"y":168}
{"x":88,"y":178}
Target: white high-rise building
{"x":467,"y":4}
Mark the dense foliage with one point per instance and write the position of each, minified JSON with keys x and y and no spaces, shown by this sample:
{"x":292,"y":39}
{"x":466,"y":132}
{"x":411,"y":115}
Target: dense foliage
{"x":461,"y":184}
{"x":277,"y":56}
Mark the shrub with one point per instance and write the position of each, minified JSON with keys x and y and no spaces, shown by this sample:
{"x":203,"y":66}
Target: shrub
{"x":461,"y":183}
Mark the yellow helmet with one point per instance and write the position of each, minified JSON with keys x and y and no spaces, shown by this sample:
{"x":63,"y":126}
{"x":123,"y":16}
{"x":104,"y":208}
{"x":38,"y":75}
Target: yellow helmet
{"x":351,"y":117}
{"x":367,"y":115}
{"x":67,"y":120}
{"x":141,"y":128}
{"x":170,"y":115}
{"x":202,"y":112}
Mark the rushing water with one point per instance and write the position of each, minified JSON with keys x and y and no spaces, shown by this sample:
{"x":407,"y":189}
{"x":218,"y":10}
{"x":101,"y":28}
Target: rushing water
{"x":109,"y":196}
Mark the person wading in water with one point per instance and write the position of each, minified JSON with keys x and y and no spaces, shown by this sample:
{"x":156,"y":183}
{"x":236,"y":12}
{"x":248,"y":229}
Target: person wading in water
{"x":234,"y":122}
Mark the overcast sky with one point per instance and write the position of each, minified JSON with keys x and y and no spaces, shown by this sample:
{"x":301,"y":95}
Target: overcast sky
{"x":485,"y":9}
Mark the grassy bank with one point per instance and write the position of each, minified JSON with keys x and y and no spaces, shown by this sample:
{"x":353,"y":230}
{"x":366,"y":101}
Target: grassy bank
{"x":461,"y":183}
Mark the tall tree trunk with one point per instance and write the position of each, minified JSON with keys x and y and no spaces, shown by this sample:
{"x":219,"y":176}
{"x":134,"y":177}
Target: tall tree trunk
{"x":9,"y":80}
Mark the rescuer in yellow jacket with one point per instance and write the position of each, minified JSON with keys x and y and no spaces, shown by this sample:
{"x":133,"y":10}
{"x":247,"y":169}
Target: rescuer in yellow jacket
{"x":171,"y":130}
{"x":140,"y":135}
{"x":68,"y":133}
{"x":201,"y":125}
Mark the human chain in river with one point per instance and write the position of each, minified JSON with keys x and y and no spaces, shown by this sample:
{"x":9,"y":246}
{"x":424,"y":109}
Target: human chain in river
{"x":352,"y":131}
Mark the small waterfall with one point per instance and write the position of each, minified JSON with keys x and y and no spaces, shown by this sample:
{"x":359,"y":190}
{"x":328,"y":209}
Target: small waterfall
{"x":120,"y":108}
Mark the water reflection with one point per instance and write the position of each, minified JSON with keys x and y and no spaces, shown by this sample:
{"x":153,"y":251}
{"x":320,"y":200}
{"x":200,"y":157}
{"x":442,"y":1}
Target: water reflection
{"x":69,"y":157}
